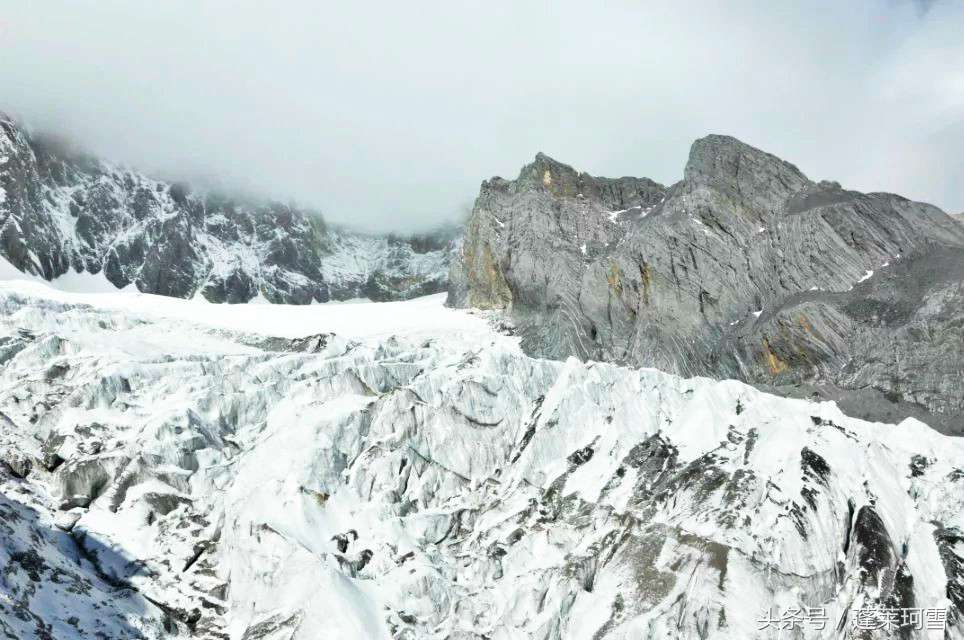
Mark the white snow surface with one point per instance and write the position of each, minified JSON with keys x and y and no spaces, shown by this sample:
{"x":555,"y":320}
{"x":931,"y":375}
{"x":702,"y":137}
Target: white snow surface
{"x":349,"y":318}
{"x":405,"y":471}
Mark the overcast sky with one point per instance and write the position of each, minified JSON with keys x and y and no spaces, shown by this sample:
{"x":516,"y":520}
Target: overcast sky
{"x":389,"y":114}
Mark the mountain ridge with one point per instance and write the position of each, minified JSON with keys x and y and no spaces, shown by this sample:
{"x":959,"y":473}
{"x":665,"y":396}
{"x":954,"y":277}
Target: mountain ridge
{"x":64,"y":210}
{"x":744,"y":269}
{"x":415,"y":472}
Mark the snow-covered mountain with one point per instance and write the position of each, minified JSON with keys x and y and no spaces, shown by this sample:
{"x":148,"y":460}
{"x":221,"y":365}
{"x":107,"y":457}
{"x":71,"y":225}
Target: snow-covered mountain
{"x":176,"y":468}
{"x":171,"y":467}
{"x":62,"y":212}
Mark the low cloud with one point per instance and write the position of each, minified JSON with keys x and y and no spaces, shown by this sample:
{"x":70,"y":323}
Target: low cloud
{"x":388,"y":115}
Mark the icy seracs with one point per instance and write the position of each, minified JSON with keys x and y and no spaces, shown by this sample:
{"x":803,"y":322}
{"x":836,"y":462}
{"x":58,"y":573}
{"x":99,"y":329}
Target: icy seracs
{"x":343,"y":471}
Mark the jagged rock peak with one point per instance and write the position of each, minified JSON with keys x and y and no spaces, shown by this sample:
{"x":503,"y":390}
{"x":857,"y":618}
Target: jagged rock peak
{"x":715,"y":160}
{"x":745,"y":269}
{"x":536,"y":170}
{"x":561,"y":180}
{"x":759,"y":178}
{"x":717,"y":155}
{"x":546,"y":170}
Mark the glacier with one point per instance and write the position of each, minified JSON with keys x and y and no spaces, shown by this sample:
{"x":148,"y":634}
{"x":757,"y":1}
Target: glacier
{"x":176,"y":468}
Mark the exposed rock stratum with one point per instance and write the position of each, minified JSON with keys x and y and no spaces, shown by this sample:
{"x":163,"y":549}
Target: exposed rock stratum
{"x":744,"y":269}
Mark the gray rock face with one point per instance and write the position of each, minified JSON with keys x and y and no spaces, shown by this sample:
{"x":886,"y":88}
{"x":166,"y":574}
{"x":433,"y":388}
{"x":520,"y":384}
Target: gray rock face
{"x":540,"y":232}
{"x":63,"y":212}
{"x":745,"y":269}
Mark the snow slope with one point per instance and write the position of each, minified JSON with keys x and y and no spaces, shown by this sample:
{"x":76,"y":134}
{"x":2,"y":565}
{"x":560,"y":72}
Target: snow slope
{"x":424,"y":316}
{"x":403,"y":470}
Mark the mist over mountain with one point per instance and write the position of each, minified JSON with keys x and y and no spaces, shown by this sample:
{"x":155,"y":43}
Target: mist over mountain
{"x":64,"y":212}
{"x":386,"y":120}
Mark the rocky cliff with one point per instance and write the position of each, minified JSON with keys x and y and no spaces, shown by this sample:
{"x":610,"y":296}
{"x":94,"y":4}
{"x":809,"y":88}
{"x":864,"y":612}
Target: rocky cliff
{"x":744,"y":269}
{"x":63,"y":211}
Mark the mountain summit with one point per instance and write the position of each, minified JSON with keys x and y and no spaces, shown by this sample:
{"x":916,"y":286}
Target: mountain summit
{"x":745,"y":269}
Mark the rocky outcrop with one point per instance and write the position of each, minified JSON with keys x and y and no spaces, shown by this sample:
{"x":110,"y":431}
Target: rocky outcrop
{"x":528,"y":240}
{"x":64,"y":212}
{"x":744,"y":269}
